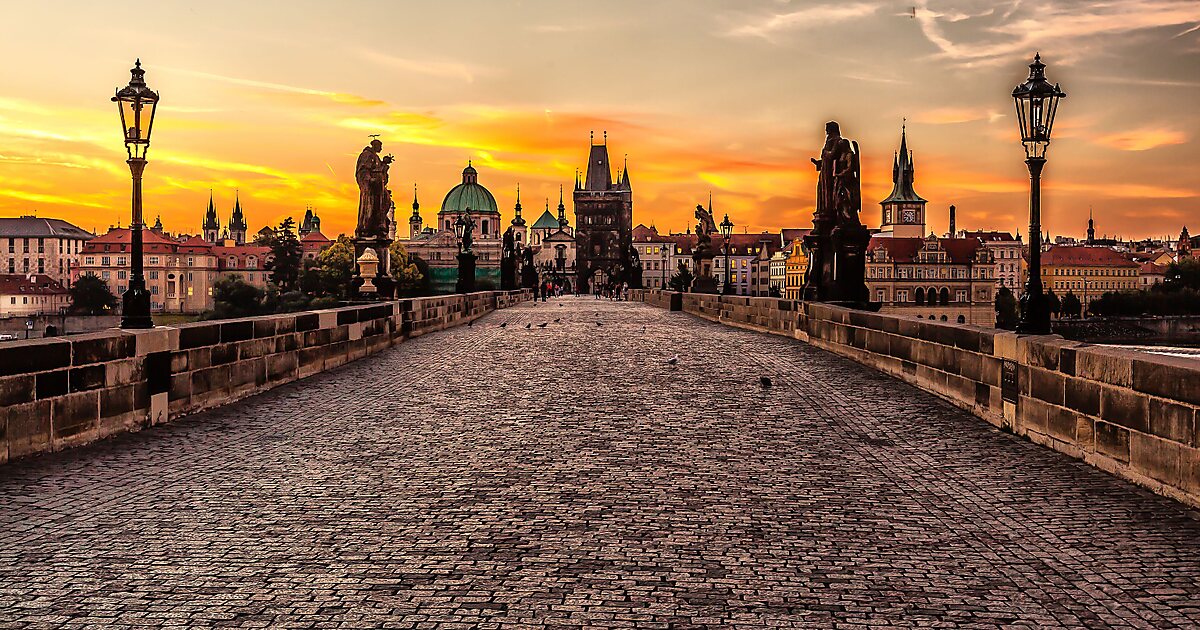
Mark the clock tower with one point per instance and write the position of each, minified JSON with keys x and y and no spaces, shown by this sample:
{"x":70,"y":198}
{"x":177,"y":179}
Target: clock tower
{"x":903,"y":212}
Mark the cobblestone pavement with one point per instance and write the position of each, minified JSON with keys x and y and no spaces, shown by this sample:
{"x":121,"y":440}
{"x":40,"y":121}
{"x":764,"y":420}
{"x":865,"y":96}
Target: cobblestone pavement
{"x":510,"y":477}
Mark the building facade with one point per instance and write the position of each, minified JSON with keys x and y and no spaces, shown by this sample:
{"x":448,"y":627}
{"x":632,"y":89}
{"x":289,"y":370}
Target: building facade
{"x":34,"y":245}
{"x":32,"y":294}
{"x":1007,"y":251}
{"x":654,"y":252}
{"x":437,"y":245}
{"x":603,"y":223}
{"x":1088,"y":272}
{"x":946,"y":279}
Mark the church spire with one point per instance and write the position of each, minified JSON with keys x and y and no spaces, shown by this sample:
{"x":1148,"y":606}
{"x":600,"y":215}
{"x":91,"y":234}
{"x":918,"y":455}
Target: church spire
{"x":416,"y":204}
{"x":562,"y":209}
{"x":518,"y":219}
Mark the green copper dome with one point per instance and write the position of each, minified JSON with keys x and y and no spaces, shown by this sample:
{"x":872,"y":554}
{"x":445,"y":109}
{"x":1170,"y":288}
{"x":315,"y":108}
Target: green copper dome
{"x":469,"y":195}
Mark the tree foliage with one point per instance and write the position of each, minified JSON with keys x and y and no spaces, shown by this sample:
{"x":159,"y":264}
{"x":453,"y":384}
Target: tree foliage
{"x":1184,"y":274}
{"x":1071,"y":306}
{"x":286,"y":254}
{"x":1008,"y":311}
{"x":405,"y":271}
{"x":234,"y":297}
{"x":90,"y":296}
{"x":682,"y":279}
{"x":1184,"y":301}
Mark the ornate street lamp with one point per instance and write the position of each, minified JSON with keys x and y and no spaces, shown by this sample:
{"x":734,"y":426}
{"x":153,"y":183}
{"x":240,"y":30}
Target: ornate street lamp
{"x":1037,"y":103}
{"x":466,"y":257}
{"x":665,"y":262}
{"x":726,"y":231}
{"x":136,"y":104}
{"x":460,"y":226}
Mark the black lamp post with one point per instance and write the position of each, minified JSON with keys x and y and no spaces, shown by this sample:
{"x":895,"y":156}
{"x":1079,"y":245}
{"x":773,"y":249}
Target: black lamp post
{"x":665,"y":261}
{"x":726,"y":231}
{"x":136,"y":104}
{"x":1037,"y":102}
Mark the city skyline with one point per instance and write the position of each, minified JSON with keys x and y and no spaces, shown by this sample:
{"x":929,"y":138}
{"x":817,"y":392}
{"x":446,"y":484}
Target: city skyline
{"x":701,"y":96}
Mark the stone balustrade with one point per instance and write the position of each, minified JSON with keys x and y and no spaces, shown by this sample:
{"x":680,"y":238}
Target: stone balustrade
{"x":62,"y":392}
{"x":1131,"y":413}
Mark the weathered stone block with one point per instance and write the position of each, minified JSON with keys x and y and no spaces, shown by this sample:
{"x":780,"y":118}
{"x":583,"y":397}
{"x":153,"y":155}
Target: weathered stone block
{"x":237,"y":330}
{"x":1156,"y":458}
{"x":222,"y":353}
{"x":198,"y":335}
{"x":214,"y":380}
{"x":1173,"y":421}
{"x":1062,"y":423}
{"x":1176,"y":379}
{"x":15,"y":390}
{"x":1112,"y":441}
{"x":27,"y":428}
{"x":1125,"y":408}
{"x":1106,"y":365}
{"x":102,"y":346}
{"x":1047,"y":386}
{"x":52,"y":384}
{"x":34,"y":355}
{"x":116,"y":401}
{"x":75,"y":417}
{"x":88,"y":377}
{"x":157,"y":339}
{"x":1083,"y":396}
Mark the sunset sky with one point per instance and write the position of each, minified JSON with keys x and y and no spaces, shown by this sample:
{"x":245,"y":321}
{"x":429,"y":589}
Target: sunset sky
{"x":276,"y":99}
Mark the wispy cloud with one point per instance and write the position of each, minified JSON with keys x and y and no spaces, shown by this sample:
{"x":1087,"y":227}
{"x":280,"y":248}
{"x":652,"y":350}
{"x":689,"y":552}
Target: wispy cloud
{"x":433,"y":68}
{"x":956,"y":115}
{"x":1141,"y":139}
{"x":765,"y":26}
{"x":1068,"y":29}
{"x":335,"y":97}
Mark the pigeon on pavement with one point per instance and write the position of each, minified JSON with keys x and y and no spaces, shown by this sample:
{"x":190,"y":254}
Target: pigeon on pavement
{"x":673,"y":360}
{"x":765,"y":381}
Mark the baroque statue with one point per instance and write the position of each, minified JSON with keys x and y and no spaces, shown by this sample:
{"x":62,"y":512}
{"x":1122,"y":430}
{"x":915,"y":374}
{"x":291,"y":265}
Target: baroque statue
{"x":705,"y":228}
{"x":374,"y":199}
{"x":839,"y":185}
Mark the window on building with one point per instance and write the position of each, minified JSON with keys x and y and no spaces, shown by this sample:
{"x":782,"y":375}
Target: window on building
{"x":120,"y":261}
{"x":153,"y":275}
{"x":121,"y":274}
{"x":153,"y":260}
{"x":902,"y":295}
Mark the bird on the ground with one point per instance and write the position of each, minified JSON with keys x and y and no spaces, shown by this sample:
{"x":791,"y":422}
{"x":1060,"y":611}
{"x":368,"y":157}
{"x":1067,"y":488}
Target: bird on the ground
{"x":529,"y":325}
{"x":557,"y":319}
{"x":673,"y":360}
{"x":504,"y":325}
{"x":470,"y":323}
{"x":542,"y":325}
{"x":599,"y":324}
{"x":765,"y":381}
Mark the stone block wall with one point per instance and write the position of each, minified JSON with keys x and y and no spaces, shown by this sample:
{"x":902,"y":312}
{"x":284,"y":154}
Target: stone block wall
{"x":63,"y":392}
{"x":1131,"y":413}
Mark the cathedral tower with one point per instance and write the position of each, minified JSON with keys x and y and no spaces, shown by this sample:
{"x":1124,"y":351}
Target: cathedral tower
{"x":211,"y":226}
{"x":237,"y":223}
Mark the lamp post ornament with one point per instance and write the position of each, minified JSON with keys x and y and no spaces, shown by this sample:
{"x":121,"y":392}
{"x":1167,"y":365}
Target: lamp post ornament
{"x":136,"y":104}
{"x":726,"y":231}
{"x":1037,"y":103}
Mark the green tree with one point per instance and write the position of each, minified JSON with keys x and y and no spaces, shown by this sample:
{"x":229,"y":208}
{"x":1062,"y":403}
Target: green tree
{"x":335,"y":267}
{"x":90,"y":296}
{"x":1184,"y":274}
{"x":1008,"y":311}
{"x":234,"y":297}
{"x":1071,"y":307}
{"x":1054,"y":303}
{"x":285,"y":256}
{"x":404,"y":270}
{"x":682,"y":279}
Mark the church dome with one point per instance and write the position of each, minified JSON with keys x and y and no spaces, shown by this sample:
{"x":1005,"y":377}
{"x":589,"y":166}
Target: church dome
{"x":469,"y":194}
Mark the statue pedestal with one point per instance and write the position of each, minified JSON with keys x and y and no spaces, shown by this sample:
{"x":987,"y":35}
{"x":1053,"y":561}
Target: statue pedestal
{"x":704,"y":282}
{"x":382,"y":282}
{"x":466,"y":273}
{"x":529,"y":275}
{"x":508,"y":273}
{"x":837,"y":266}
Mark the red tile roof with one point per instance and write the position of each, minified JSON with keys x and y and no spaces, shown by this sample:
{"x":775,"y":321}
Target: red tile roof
{"x":32,"y":284}
{"x":960,"y":251}
{"x":1151,"y":269}
{"x":315,"y":236}
{"x":989,"y":235}
{"x":643,"y":234}
{"x":118,"y":240}
{"x":1085,"y":256}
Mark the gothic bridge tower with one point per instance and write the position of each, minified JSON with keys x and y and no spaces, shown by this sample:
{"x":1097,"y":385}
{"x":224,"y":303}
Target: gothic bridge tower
{"x":603,"y":222}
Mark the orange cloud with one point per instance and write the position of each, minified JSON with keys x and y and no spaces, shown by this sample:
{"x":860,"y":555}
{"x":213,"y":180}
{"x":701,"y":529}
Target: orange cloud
{"x":1141,"y":139}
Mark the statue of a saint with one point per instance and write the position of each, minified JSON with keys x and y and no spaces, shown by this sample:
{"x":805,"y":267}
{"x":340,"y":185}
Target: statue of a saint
{"x":371,"y":173}
{"x":838,"y":186}
{"x":509,"y":243}
{"x":468,"y":240}
{"x":705,"y":227}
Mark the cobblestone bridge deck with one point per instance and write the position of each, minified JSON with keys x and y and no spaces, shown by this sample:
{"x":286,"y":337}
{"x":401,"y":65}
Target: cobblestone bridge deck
{"x":566,"y":476}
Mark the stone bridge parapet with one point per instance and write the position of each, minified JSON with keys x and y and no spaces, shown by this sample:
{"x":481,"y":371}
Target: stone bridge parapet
{"x":63,"y":392}
{"x":1131,"y":413}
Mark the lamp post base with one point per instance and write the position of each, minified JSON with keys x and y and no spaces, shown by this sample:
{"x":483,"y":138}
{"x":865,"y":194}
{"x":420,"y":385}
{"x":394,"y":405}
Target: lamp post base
{"x":1035,"y":314}
{"x":135,"y":308}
